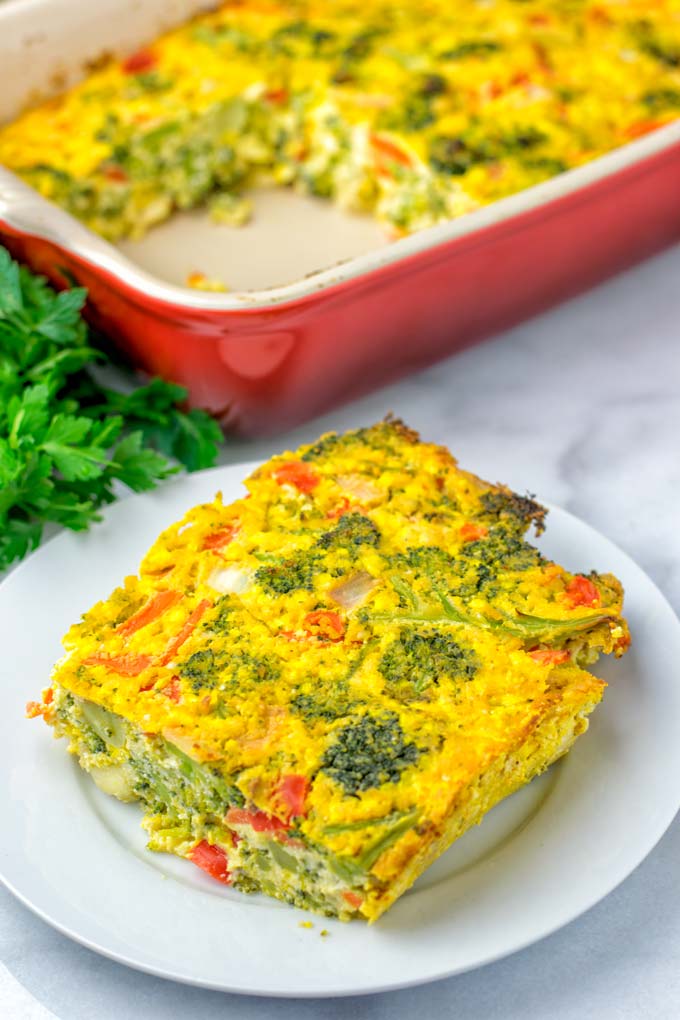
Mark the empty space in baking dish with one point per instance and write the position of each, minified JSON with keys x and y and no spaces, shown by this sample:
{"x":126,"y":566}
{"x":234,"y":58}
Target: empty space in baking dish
{"x":289,"y":237}
{"x":48,"y":45}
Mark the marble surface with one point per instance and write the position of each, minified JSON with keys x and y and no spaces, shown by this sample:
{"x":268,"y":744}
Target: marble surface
{"x":581,"y":406}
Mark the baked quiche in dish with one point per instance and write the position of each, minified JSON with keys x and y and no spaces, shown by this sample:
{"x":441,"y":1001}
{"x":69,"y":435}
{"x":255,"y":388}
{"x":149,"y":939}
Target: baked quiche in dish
{"x":415,"y":111}
{"x":313,"y":691}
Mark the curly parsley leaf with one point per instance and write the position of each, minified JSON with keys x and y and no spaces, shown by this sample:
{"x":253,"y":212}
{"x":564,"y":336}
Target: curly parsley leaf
{"x":67,"y":442}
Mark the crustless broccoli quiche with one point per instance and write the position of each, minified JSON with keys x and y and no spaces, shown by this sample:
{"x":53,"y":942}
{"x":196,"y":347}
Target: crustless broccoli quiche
{"x":314,"y":690}
{"x":414,"y":110}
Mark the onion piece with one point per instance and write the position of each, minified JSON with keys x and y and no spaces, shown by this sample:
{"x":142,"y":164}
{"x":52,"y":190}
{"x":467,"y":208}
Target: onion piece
{"x":351,"y":592}
{"x":184,"y":741}
{"x":230,"y":580}
{"x":361,"y":488}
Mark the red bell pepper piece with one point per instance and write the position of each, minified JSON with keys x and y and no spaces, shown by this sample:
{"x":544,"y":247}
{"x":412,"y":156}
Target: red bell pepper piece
{"x":212,"y":859}
{"x":140,"y":62}
{"x":124,"y":665}
{"x":550,"y":656}
{"x":260,"y":820}
{"x":324,"y":623}
{"x":176,"y":643}
{"x":219,"y":539}
{"x":581,"y":592}
{"x":155,"y":607}
{"x":297,"y":473}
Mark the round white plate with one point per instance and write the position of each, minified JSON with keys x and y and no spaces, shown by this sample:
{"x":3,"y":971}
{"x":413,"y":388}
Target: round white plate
{"x":542,"y":857}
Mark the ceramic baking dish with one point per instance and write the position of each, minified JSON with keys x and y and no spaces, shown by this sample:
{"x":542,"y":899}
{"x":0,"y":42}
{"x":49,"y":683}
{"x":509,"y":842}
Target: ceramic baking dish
{"x":291,"y":345}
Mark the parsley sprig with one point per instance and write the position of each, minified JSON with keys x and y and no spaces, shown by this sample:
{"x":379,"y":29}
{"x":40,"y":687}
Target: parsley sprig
{"x":67,"y":441}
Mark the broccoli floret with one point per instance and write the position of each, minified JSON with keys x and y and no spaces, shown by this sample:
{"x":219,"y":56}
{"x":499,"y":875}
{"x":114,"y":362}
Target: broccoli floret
{"x":454,"y":155}
{"x":219,"y":619}
{"x":236,"y":669}
{"x":414,"y":114}
{"x":667,"y":52}
{"x":662,"y":99}
{"x":433,"y":85}
{"x":360,"y":45}
{"x":323,"y":447}
{"x":520,"y":139}
{"x":95,"y":744}
{"x":245,"y":668}
{"x":546,"y":165}
{"x":427,"y":561}
{"x":521,"y":510}
{"x":331,"y":700}
{"x":368,"y":752}
{"x":291,"y":575}
{"x":382,"y":436}
{"x":297,"y":573}
{"x":471,"y":48}
{"x":475,"y":570}
{"x":351,"y":530}
{"x":430,"y":559}
{"x":313,"y":708}
{"x":445,"y":506}
{"x":301,"y":39}
{"x":417,"y":659}
{"x":201,"y":668}
{"x":479,"y":563}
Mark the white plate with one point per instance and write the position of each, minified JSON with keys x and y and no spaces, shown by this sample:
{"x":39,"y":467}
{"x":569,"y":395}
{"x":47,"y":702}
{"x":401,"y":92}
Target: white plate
{"x":542,"y":857}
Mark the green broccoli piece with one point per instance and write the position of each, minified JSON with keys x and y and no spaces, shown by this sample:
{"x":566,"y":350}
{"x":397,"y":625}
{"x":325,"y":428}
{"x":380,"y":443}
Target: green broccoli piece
{"x":302,"y":39}
{"x":323,"y":447}
{"x":518,"y":140}
{"x":445,"y":507}
{"x":415,"y":112}
{"x":454,"y":155}
{"x":201,"y":668}
{"x":219,"y":619}
{"x":383,"y":436}
{"x":297,"y":572}
{"x":244,"y":668}
{"x":291,"y":575}
{"x":667,"y":52}
{"x":368,"y":752}
{"x":513,"y":509}
{"x":208,"y":784}
{"x":483,"y":560}
{"x":393,"y":827}
{"x":476,"y":568}
{"x":418,"y":659}
{"x":331,"y":700}
{"x":351,"y":530}
{"x":657,"y":100}
{"x":236,"y":669}
{"x":471,"y":48}
{"x":313,"y":708}
{"x":479,"y":563}
{"x":546,"y":165}
{"x":428,"y":559}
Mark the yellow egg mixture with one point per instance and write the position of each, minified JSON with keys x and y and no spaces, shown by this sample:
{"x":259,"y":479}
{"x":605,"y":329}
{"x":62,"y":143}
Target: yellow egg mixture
{"x":413,"y":111}
{"x":315,"y":689}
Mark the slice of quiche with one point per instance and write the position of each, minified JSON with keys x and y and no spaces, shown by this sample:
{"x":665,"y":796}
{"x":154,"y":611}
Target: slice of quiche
{"x":315,"y":689}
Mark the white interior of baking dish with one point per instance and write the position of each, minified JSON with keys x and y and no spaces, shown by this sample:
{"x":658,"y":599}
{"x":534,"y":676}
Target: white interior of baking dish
{"x":295,"y":244}
{"x":290,"y":236}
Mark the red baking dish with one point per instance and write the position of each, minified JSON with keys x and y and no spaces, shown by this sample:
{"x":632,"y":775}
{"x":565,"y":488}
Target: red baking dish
{"x":268,"y":358}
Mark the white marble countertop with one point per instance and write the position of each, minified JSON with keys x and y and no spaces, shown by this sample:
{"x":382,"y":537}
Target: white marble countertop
{"x":581,"y":406}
